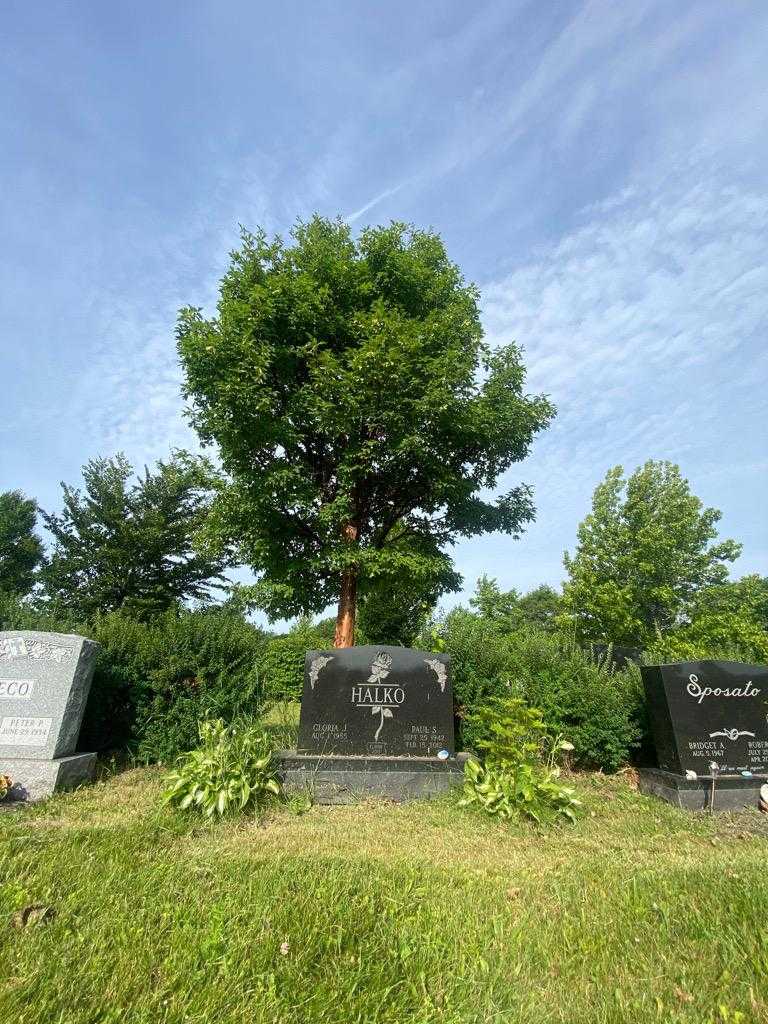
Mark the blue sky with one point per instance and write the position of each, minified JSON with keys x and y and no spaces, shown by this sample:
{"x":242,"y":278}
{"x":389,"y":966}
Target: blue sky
{"x":598,"y":168}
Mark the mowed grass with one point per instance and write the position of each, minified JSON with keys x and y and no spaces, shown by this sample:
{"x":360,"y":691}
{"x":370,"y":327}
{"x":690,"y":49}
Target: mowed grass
{"x":409,"y":914}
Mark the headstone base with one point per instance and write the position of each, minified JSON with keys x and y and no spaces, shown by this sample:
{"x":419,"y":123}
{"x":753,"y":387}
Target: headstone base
{"x":35,"y":779}
{"x":732,"y":792}
{"x":346,"y":779}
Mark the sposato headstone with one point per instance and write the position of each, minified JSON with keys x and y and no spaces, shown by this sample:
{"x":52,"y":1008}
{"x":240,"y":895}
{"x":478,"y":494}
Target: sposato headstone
{"x":375,"y":720}
{"x":44,"y":683}
{"x":706,"y":713}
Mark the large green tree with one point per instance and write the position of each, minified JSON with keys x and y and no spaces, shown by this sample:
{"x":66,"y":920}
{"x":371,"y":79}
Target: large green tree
{"x":499,"y":607}
{"x":127,"y":543}
{"x":355,"y":406}
{"x":644,"y":553}
{"x":21,"y":550}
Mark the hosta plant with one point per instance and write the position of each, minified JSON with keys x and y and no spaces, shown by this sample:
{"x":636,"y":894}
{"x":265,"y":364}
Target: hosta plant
{"x":519,"y":774}
{"x":507,"y":790}
{"x":232,"y":770}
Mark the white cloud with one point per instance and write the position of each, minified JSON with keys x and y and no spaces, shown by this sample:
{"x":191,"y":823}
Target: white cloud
{"x":646,"y":325}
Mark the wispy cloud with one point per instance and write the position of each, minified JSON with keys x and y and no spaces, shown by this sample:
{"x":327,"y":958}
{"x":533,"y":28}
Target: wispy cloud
{"x":646,"y":325}
{"x":352,"y":217}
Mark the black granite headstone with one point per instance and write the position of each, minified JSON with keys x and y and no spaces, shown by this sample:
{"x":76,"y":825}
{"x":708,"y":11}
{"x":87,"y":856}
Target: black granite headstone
{"x":377,"y":701}
{"x":705,"y":711}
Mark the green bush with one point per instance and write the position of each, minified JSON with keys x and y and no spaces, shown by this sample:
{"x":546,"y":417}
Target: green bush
{"x":207,"y":665}
{"x":481,"y":663}
{"x":233,"y":769}
{"x":155,"y":680}
{"x":282,"y":664}
{"x":599,"y":709}
{"x":703,"y":642}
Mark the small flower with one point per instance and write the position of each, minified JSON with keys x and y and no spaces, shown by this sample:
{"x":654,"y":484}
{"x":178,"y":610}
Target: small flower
{"x":691,"y":776}
{"x":285,"y":948}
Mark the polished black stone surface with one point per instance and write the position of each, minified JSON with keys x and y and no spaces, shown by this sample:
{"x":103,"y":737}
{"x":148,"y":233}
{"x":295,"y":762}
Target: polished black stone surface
{"x":378,"y":701}
{"x":705,"y":711}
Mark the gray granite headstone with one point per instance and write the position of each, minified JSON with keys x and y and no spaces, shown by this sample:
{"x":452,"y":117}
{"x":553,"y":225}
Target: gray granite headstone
{"x":44,"y":684}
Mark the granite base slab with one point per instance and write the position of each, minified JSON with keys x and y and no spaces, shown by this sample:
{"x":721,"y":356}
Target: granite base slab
{"x":337,"y":779}
{"x":36,"y":779}
{"x":732,"y":792}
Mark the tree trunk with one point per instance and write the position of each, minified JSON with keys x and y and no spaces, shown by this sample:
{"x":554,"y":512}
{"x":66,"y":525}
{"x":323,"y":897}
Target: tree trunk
{"x":345,"y":619}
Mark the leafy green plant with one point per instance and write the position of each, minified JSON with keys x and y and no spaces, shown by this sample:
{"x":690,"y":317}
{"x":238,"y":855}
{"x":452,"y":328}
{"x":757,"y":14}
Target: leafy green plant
{"x":507,"y":729}
{"x":231,"y":770}
{"x":519,"y":774}
{"x":507,"y":790}
{"x":600,"y":709}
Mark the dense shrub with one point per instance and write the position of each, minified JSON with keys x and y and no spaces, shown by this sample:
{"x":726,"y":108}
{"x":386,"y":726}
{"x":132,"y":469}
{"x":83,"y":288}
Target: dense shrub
{"x":601,"y":711}
{"x":481,"y":661}
{"x":725,"y":640}
{"x":207,"y":665}
{"x":282,"y":664}
{"x":155,"y":680}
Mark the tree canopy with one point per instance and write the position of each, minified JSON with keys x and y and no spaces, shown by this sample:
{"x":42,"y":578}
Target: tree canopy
{"x":643,"y":556}
{"x":508,"y":610}
{"x":21,"y":550}
{"x":360,"y":418}
{"x":129,"y":545}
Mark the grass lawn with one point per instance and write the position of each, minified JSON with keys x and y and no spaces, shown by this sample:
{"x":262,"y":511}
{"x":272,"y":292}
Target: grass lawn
{"x":385,"y":913}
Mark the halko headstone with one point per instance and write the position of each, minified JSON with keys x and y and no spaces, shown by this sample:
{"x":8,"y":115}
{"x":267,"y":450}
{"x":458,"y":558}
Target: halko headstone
{"x":708,"y":719}
{"x":375,"y":719}
{"x":44,"y":683}
{"x":376,"y":700}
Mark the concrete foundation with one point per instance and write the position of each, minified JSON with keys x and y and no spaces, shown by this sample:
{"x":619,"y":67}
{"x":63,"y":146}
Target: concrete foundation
{"x":732,"y":792}
{"x":36,"y":779}
{"x":336,"y":779}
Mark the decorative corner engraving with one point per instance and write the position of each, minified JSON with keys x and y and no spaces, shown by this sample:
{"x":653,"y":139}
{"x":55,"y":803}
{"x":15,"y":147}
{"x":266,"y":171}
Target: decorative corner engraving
{"x":438,"y":668}
{"x":24,"y":647}
{"x":316,"y":666}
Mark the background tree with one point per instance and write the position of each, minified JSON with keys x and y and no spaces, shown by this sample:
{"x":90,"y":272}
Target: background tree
{"x":21,"y":550}
{"x":129,"y":545}
{"x":731,"y":617}
{"x":501,"y":608}
{"x":354,"y":405}
{"x":509,"y":611}
{"x":541,"y":607}
{"x":643,"y":556}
